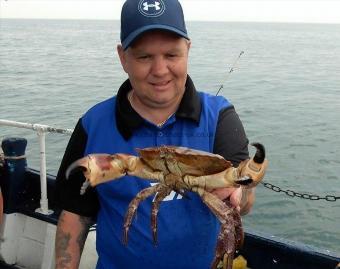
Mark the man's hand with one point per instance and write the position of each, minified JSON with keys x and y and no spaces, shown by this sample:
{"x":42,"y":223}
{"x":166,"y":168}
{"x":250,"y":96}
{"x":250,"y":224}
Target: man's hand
{"x":243,"y":199}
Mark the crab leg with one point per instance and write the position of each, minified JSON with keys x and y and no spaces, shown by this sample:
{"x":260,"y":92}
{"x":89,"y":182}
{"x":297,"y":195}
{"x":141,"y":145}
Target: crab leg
{"x":100,"y":168}
{"x":132,"y":208}
{"x":217,"y":206}
{"x":155,"y":208}
{"x":225,"y":246}
{"x":229,"y":237}
{"x":232,"y":237}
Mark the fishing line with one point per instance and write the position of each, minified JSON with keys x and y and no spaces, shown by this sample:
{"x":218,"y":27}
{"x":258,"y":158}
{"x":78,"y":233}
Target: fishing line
{"x":231,"y":70}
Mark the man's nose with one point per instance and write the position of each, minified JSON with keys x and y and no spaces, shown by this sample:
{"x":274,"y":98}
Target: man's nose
{"x":159,"y":66}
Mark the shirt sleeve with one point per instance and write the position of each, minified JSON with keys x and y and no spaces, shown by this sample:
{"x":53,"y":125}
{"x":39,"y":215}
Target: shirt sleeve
{"x":231,"y":141}
{"x":68,"y":190}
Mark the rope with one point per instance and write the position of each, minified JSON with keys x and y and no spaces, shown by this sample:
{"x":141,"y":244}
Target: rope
{"x":4,"y":157}
{"x":15,"y":157}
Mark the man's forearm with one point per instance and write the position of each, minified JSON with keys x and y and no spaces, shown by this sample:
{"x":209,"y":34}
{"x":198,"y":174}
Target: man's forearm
{"x":71,"y":235}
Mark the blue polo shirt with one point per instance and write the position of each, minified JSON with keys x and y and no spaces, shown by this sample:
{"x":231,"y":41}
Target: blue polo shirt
{"x":187,"y":230}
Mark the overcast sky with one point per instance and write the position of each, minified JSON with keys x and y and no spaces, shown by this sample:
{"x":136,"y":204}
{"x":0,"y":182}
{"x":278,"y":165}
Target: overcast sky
{"x":314,"y":11}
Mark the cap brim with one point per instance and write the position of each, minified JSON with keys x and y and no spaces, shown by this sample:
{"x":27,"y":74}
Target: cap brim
{"x":131,"y":37}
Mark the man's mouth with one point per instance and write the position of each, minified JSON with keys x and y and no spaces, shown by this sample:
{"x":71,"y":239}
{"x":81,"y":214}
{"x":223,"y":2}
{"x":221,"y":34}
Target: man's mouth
{"x":161,"y":85}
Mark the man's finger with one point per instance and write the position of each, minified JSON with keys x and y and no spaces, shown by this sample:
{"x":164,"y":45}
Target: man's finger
{"x":236,"y":197}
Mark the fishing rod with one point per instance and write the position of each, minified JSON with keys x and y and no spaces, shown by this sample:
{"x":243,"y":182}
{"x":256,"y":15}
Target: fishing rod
{"x":231,"y":70}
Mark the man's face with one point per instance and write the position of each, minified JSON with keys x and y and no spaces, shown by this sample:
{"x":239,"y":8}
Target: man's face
{"x":156,"y":64}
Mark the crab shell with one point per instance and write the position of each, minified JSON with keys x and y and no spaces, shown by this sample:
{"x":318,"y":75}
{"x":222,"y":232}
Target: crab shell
{"x":183,"y":161}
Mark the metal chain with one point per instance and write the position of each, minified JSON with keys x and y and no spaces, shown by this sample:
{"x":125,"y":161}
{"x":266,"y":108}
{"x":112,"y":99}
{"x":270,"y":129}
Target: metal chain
{"x":307,"y":196}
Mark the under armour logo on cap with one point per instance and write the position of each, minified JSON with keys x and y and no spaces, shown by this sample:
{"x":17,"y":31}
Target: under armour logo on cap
{"x":150,"y":9}
{"x":155,"y":5}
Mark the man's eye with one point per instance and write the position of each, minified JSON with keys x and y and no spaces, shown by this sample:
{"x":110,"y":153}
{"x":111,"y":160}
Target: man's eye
{"x":143,"y":57}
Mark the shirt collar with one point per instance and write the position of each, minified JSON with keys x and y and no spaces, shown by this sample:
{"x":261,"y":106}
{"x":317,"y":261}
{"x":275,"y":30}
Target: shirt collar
{"x":128,"y":120}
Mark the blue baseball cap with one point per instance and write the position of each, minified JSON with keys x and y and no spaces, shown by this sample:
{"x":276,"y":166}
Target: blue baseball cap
{"x":139,"y":16}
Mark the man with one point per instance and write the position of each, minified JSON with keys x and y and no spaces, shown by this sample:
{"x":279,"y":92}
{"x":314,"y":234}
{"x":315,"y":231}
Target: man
{"x":157,"y":105}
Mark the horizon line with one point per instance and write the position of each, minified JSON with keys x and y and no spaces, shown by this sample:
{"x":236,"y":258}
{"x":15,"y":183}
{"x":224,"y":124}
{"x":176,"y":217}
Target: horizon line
{"x":190,"y":20}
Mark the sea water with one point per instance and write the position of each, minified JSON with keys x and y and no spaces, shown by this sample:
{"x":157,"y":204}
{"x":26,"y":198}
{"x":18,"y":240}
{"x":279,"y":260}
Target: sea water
{"x":285,"y":88}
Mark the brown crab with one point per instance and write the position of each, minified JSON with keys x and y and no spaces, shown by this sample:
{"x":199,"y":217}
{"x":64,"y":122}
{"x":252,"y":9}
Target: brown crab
{"x":180,"y":169}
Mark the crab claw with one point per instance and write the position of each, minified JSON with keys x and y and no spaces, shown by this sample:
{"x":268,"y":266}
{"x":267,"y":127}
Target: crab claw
{"x":260,"y":154}
{"x":98,"y":168}
{"x":252,"y":171}
{"x":77,"y":166}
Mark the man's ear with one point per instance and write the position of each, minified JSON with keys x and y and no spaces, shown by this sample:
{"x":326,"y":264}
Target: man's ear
{"x":189,"y":44}
{"x":122,"y":56}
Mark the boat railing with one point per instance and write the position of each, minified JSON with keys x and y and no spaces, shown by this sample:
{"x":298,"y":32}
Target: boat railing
{"x":41,"y":131}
